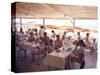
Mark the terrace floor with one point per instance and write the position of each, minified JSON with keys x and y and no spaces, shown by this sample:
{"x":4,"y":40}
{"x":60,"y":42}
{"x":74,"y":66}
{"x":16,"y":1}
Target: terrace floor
{"x":29,"y":65}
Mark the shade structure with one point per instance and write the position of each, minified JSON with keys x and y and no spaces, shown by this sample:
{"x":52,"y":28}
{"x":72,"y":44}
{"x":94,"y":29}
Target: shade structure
{"x":25,"y":10}
{"x":41,"y":10}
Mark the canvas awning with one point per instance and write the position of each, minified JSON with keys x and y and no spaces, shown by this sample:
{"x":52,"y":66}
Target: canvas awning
{"x":40,"y":10}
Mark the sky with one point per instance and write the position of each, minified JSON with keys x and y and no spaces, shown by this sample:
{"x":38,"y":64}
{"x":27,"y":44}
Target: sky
{"x":93,"y":24}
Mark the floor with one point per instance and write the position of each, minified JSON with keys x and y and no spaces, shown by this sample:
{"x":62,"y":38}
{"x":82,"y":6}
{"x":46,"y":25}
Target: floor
{"x":29,"y":65}
{"x":91,"y":59}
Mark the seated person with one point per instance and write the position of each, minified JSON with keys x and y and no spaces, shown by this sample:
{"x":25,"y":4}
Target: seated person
{"x":51,"y":45}
{"x":21,"y":31}
{"x":78,"y":36}
{"x":64,"y":35}
{"x":94,"y":45}
{"x":58,"y":42}
{"x":67,"y":42}
{"x":44,"y":53}
{"x":29,"y":30}
{"x":31,"y":37}
{"x":35,"y":33}
{"x":45,"y":39}
{"x":37,"y":53}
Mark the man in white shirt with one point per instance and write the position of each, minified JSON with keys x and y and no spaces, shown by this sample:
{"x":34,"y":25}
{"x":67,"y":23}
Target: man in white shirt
{"x":41,"y":31}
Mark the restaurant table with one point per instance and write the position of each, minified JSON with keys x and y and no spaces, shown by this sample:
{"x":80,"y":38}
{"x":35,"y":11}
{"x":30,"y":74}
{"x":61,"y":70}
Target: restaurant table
{"x":57,"y":60}
{"x":27,"y":46}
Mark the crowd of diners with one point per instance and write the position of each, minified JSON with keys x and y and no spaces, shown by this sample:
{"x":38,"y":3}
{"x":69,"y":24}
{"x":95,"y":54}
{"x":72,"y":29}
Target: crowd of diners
{"x":56,"y":41}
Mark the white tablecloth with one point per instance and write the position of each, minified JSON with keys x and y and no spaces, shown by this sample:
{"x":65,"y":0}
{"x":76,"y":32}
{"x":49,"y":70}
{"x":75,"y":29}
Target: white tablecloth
{"x":56,"y":60}
{"x":28,"y":45}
